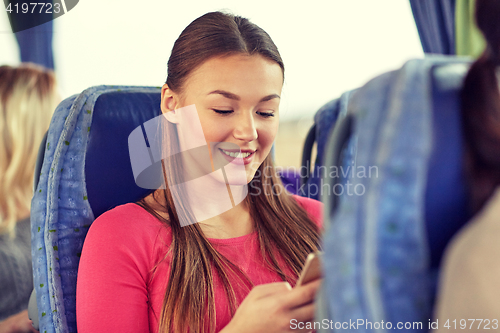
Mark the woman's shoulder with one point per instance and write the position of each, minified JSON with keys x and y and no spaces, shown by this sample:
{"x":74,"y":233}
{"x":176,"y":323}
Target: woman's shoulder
{"x":126,"y":213}
{"x":314,"y":208}
{"x":127,"y":223}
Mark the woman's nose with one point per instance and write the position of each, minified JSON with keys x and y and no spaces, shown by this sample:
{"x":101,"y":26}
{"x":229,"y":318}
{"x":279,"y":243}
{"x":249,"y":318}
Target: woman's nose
{"x":245,"y":128}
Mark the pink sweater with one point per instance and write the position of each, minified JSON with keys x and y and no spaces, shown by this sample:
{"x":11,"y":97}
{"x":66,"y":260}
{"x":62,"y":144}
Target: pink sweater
{"x":116,"y":290}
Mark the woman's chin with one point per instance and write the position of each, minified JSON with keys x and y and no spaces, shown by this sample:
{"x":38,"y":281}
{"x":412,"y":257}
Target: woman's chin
{"x":241,"y":180}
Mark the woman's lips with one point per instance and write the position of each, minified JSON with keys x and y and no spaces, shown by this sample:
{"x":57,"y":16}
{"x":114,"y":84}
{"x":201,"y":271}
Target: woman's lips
{"x":238,"y":159}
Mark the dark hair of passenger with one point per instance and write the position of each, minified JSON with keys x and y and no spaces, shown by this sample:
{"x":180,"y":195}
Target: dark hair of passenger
{"x":281,"y":224}
{"x":481,"y":110}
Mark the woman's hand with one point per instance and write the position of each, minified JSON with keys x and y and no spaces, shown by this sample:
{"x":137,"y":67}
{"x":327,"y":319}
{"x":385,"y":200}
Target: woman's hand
{"x":274,"y":308}
{"x":18,"y":323}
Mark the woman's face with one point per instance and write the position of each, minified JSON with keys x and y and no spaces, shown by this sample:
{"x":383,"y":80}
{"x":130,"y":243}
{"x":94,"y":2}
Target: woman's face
{"x":237,"y":101}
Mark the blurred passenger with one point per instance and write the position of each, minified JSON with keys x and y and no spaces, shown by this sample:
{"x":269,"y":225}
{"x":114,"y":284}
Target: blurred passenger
{"x":470,"y":290}
{"x":28,"y":97}
{"x":149,"y":267}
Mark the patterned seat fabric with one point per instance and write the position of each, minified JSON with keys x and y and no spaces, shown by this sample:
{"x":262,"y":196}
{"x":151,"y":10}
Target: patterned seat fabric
{"x":86,"y":170}
{"x":385,"y":242}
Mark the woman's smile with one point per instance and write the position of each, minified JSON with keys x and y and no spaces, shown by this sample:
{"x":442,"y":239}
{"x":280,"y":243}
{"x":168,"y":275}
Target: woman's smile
{"x":237,"y":157}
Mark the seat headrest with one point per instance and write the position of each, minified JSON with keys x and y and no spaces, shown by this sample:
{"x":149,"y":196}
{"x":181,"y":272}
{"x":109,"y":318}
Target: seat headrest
{"x":108,"y":172}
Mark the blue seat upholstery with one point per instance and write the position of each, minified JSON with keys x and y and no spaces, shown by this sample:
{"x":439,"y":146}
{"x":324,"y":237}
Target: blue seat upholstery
{"x":383,"y":247}
{"x":324,"y":122}
{"x":86,"y":170}
{"x":445,"y":197}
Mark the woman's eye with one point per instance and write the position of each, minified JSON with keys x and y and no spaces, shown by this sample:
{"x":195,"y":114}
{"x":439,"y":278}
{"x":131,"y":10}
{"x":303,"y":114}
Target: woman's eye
{"x":266,"y":114}
{"x":222,"y":111}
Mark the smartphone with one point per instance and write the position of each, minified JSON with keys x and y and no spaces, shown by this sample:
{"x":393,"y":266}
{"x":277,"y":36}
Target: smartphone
{"x":311,"y":270}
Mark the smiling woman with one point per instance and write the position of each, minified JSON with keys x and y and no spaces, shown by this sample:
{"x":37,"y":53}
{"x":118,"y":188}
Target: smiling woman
{"x":237,"y":98}
{"x":156,"y":266}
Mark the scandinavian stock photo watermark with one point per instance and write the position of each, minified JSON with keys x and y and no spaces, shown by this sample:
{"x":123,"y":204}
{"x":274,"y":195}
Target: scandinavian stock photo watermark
{"x":357,"y":324}
{"x":365,"y":324}
{"x":206,"y":179}
{"x":349,"y":179}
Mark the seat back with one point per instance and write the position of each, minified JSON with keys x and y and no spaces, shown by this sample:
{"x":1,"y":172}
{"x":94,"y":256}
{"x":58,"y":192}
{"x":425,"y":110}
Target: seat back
{"x":324,"y":122}
{"x":86,"y":170}
{"x":385,"y":240}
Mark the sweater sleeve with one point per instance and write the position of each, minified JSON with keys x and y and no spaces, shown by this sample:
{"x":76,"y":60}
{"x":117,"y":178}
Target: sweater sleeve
{"x":112,"y":294}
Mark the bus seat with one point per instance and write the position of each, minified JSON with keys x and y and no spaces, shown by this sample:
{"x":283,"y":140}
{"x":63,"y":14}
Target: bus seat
{"x":324,"y":122}
{"x":383,"y":244}
{"x":86,"y":170}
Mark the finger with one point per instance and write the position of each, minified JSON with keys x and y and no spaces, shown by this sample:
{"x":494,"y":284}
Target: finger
{"x":268,"y":289}
{"x":302,"y":295}
{"x":303,"y":313}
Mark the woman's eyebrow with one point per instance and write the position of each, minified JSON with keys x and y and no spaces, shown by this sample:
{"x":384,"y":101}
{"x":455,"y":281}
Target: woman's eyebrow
{"x":269,"y":97}
{"x":229,"y":95}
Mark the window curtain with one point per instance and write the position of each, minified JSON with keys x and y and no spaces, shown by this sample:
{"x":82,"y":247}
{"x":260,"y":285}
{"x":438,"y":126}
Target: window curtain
{"x":33,"y":31}
{"x":435,"y":20}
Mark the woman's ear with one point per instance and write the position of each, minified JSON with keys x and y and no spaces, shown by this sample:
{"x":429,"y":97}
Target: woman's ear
{"x":169,"y":104}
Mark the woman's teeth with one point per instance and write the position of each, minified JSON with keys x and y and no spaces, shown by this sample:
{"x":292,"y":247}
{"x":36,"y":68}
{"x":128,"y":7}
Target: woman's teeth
{"x":237,"y":155}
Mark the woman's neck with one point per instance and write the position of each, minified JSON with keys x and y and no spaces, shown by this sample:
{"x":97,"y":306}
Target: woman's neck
{"x":233,"y":223}
{"x":220,"y":209}
{"x":220,"y":213}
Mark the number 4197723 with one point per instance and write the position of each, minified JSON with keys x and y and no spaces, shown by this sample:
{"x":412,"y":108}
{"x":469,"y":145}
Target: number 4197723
{"x":33,"y":7}
{"x":472,"y":324}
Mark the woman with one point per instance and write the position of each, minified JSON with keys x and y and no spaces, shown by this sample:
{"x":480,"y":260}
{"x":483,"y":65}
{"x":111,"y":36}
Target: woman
{"x":182,"y":260}
{"x":469,"y":297}
{"x":28,"y":97}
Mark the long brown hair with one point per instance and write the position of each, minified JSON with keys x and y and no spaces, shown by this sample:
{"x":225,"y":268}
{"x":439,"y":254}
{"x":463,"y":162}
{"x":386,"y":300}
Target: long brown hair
{"x":283,"y":227}
{"x":481,"y":110}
